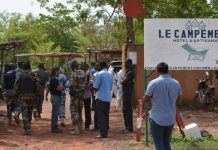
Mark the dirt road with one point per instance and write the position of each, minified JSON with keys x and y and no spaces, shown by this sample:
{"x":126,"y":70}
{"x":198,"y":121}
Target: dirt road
{"x":40,"y":138}
{"x":11,"y":137}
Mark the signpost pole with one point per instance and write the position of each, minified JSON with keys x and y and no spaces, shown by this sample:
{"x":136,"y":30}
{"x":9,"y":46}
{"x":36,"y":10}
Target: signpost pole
{"x":146,"y":109}
{"x":2,"y":66}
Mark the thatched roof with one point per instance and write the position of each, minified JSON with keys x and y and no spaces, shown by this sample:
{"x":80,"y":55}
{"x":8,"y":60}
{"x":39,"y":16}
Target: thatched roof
{"x":54,"y":54}
{"x":104,"y":51}
{"x":11,"y":45}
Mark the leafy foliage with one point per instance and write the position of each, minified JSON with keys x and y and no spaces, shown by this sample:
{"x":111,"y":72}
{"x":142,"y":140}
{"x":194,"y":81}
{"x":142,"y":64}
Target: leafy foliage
{"x":81,"y":24}
{"x":59,"y":26}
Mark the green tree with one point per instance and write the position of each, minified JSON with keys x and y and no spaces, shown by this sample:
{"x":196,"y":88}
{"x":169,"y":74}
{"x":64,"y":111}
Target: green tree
{"x":59,"y":26}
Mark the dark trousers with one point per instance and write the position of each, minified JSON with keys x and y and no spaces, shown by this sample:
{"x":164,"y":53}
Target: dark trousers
{"x":161,"y":135}
{"x":93,"y":101}
{"x":87,"y":106}
{"x":103,"y":109}
{"x":39,"y":102}
{"x":127,"y":108}
{"x":95,"y":115}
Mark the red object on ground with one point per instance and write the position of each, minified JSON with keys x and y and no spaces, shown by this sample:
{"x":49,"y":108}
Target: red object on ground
{"x":138,"y":127}
{"x":133,"y":8}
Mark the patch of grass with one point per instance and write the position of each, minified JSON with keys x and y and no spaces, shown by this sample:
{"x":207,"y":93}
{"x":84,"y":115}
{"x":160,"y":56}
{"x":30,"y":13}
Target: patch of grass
{"x":180,"y":143}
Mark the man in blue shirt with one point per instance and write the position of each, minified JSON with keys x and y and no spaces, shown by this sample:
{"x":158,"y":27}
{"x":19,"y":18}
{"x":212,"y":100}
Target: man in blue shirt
{"x":163,"y":92}
{"x":103,"y":84}
{"x":62,"y":81}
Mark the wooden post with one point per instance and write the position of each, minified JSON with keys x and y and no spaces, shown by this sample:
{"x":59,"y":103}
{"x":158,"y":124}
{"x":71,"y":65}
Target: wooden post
{"x":96,"y":57}
{"x":129,"y":30}
{"x":123,"y":60}
{"x":2,"y":65}
{"x":89,"y":58}
{"x":85,"y":59}
{"x":14,"y":56}
{"x":52,"y":61}
{"x":139,"y":116}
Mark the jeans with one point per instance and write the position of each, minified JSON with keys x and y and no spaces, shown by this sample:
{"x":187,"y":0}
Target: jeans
{"x":161,"y":135}
{"x":55,"y":101}
{"x":62,"y":107}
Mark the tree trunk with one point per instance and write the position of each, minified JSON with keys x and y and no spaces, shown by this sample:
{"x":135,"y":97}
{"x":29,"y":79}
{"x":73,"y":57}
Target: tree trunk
{"x":129,"y":30}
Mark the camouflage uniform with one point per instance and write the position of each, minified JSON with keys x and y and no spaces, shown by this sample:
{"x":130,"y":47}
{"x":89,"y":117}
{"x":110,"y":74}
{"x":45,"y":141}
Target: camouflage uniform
{"x":43,"y":78}
{"x":76,"y":93}
{"x":27,"y":97}
{"x":13,"y":107}
{"x":1,"y":94}
{"x":8,"y":82}
{"x":19,"y":71}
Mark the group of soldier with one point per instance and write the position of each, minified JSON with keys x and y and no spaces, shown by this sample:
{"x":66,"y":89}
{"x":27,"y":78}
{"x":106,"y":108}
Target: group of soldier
{"x":77,"y":84}
{"x":24,"y":93}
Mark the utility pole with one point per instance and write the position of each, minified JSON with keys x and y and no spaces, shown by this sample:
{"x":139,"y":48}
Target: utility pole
{"x":129,"y":32}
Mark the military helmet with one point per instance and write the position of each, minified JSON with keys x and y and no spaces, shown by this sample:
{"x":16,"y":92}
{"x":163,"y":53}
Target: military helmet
{"x":72,"y":62}
{"x":41,"y":65}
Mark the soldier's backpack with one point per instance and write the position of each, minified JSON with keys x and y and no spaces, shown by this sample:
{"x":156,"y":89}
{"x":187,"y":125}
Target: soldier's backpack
{"x":42,"y":76}
{"x":27,"y":84}
{"x":9,"y":79}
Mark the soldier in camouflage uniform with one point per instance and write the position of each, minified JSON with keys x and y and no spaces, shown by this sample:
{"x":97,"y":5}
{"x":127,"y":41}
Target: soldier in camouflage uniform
{"x":8,"y":84}
{"x":17,"y":108}
{"x":43,"y":78}
{"x":77,"y":88}
{"x":26,"y":88}
{"x":19,"y":69}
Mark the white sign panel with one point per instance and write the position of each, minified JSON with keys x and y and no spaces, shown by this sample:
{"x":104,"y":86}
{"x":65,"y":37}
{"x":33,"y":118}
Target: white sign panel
{"x":184,"y":44}
{"x":133,"y":56}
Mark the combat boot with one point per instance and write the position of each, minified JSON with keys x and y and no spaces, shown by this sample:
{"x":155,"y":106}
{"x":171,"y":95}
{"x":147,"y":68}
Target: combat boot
{"x":56,"y":130}
{"x":10,"y":121}
{"x":39,"y":116}
{"x":76,"y":130}
{"x":16,"y":118}
{"x":26,"y":131}
{"x":35,"y":114}
{"x":72,"y":129}
{"x":62,"y":122}
{"x":80,"y":128}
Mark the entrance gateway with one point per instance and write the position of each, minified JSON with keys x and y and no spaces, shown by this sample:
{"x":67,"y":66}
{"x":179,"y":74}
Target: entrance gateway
{"x":184,"y":44}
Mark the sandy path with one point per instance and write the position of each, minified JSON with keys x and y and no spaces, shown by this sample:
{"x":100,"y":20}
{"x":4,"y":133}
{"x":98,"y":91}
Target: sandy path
{"x":41,"y":138}
{"x":11,"y":137}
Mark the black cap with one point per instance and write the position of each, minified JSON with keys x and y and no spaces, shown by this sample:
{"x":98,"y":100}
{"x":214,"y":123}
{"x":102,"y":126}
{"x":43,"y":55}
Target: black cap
{"x":41,"y":65}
